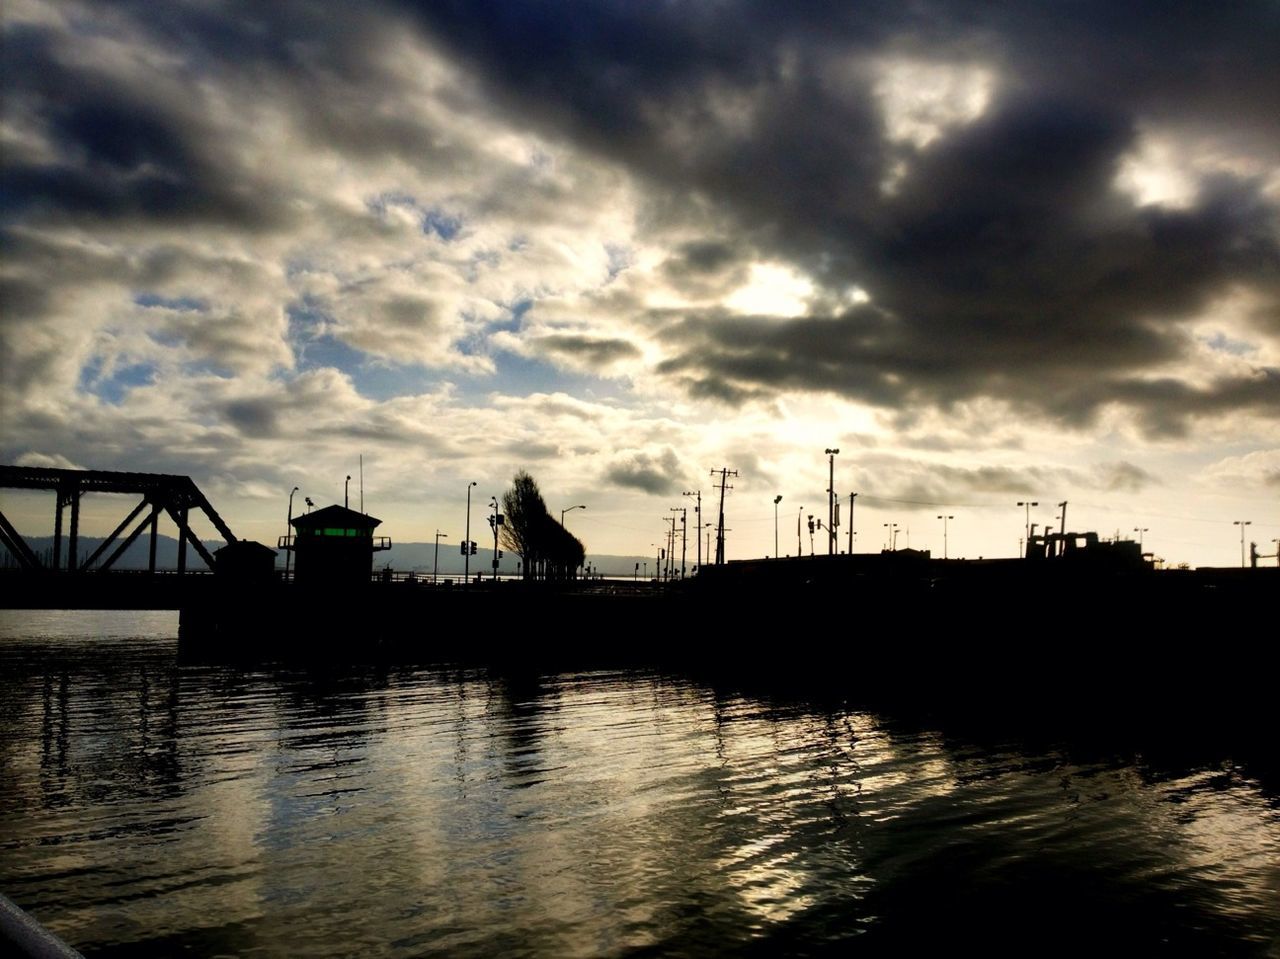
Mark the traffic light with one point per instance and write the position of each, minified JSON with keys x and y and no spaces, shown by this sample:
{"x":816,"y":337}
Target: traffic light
{"x":473,"y":547}
{"x":462,"y":548}
{"x":499,"y":554}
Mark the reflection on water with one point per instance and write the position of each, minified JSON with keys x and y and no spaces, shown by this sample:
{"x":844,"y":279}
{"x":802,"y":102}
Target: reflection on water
{"x":148,"y":808}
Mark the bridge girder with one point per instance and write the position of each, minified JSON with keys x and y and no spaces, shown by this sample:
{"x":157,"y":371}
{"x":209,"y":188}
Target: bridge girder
{"x":166,"y":493}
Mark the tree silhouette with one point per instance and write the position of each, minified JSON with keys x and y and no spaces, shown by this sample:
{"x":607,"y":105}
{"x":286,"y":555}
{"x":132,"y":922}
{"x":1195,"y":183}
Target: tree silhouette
{"x":547,"y":549}
{"x":525,"y":512}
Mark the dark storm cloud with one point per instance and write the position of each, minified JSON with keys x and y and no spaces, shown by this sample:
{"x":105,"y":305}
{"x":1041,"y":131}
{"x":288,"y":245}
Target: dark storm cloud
{"x":915,"y":483}
{"x":708,"y":268}
{"x":654,"y":473}
{"x":147,"y":144}
{"x":937,"y":484}
{"x":594,"y":352}
{"x":1004,"y":260}
{"x":1125,"y":477}
{"x":255,"y":417}
{"x":121,"y":150}
{"x":1000,"y":258}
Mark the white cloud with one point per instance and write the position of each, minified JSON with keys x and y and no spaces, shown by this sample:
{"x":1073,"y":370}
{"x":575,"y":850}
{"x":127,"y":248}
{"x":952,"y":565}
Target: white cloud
{"x":922,"y":100}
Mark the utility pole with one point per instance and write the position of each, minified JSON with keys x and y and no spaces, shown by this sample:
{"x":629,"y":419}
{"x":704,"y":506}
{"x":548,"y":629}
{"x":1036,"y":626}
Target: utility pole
{"x":831,"y":501}
{"x":671,"y":546}
{"x":723,"y":485}
{"x":697,"y":513}
{"x":1062,"y":523}
{"x":684,"y":539}
{"x":852,"y":497}
{"x":799,"y":541}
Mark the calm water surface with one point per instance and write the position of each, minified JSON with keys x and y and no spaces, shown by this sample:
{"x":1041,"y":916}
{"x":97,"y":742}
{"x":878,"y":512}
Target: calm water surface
{"x":149,"y":807}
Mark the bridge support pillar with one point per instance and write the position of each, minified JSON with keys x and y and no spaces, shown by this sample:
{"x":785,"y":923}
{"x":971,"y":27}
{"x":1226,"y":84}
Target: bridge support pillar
{"x":73,"y":540}
{"x":57,"y":531}
{"x":183,"y":533}
{"x":151,"y":555}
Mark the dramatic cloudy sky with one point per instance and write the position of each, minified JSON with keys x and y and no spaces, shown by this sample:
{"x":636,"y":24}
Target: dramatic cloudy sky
{"x":993,"y":252}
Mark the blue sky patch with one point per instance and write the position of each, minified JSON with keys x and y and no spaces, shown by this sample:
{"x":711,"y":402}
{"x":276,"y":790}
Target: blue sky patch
{"x":377,"y":380}
{"x":185,"y":304}
{"x":522,"y":375}
{"x":1224,"y":344}
{"x":112,"y":389}
{"x":441,"y":224}
{"x":384,"y":201}
{"x":619,"y":258}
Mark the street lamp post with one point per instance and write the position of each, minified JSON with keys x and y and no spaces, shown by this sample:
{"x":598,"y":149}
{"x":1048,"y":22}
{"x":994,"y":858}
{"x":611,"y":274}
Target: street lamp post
{"x":799,"y":541}
{"x":566,"y":509}
{"x":852,"y":498}
{"x":944,"y":519}
{"x":288,"y":530}
{"x":1028,"y":504}
{"x":466,"y":543}
{"x":831,"y":501}
{"x":893,"y":536}
{"x":346,"y":493}
{"x":1140,"y":530}
{"x":435,"y":570}
{"x":495,"y":521}
{"x":1242,"y":523}
{"x":776,"y":500}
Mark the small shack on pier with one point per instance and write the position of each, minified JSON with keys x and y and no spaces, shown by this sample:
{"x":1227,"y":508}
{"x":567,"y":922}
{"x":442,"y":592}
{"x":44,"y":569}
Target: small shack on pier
{"x":334,"y":546}
{"x":245,"y":561}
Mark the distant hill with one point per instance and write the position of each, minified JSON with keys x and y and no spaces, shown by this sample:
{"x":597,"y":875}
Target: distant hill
{"x":403,"y":556}
{"x":135,"y":556}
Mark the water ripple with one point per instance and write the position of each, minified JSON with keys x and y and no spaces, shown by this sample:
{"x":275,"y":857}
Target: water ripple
{"x":150,"y":807}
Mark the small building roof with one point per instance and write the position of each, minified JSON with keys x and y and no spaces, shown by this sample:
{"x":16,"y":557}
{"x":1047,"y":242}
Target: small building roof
{"x":335,"y":516}
{"x":244,"y":547}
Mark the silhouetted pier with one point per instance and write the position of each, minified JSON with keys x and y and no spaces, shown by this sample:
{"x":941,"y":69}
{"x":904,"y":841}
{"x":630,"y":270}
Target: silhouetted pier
{"x":1073,"y":598}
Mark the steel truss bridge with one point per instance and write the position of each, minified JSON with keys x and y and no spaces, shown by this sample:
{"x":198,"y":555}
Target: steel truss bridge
{"x":175,"y":496}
